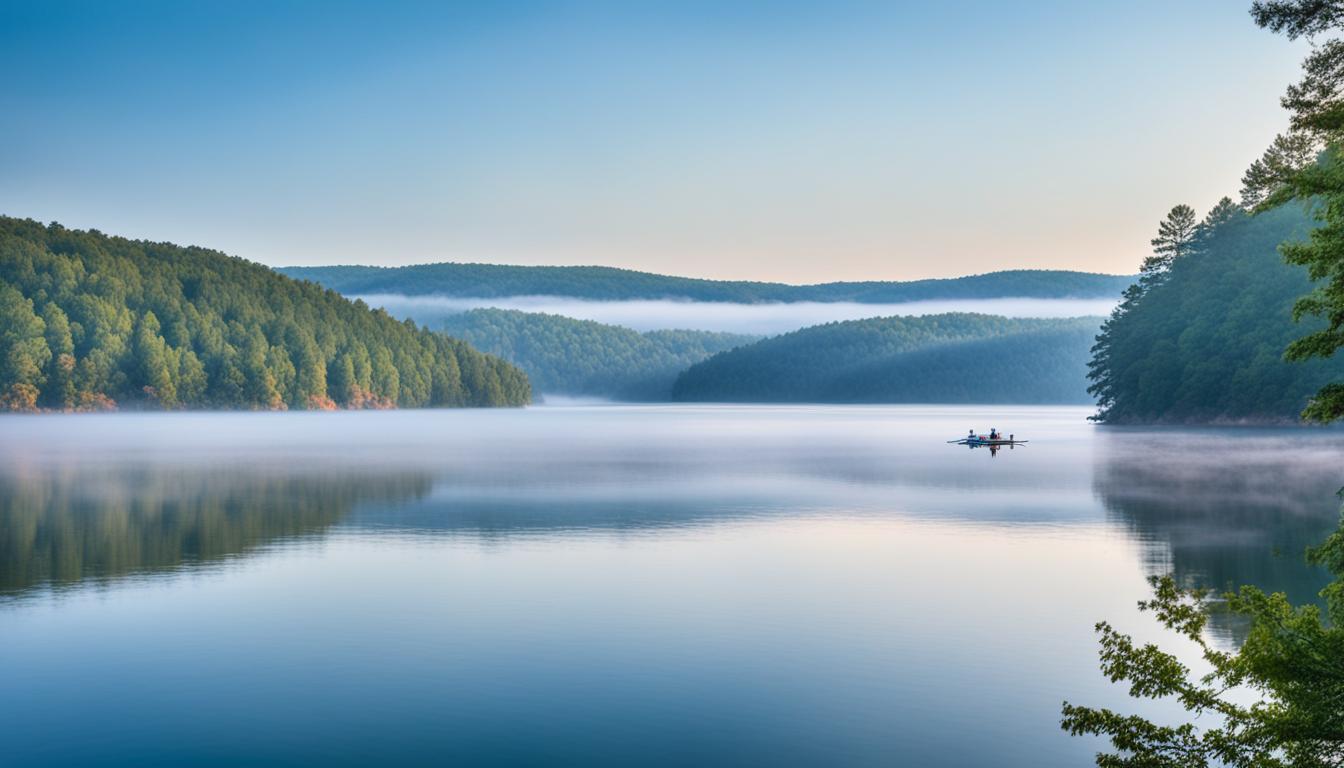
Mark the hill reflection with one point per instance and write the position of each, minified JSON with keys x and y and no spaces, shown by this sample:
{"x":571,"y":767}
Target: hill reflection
{"x":60,"y":526}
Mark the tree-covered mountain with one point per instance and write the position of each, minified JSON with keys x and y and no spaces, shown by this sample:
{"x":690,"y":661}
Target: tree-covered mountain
{"x":89,"y":321}
{"x":607,"y":283}
{"x":949,"y":358}
{"x":1201,"y":338}
{"x":581,"y":357}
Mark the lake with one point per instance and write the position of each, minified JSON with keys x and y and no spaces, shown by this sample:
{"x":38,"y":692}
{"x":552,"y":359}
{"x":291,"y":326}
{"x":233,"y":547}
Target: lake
{"x":610,"y":585}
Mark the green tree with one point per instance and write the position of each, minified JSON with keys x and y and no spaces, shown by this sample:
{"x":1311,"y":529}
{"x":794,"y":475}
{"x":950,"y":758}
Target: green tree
{"x":1316,"y":104}
{"x":60,"y":375}
{"x":1175,"y":236}
{"x":1288,"y":153}
{"x":341,"y":380}
{"x":1292,"y":661}
{"x":191,"y":379}
{"x":261,"y":384}
{"x":23,"y":351}
{"x":152,"y":358}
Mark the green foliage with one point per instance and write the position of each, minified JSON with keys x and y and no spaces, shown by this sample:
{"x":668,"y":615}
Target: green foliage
{"x":1175,"y":235}
{"x":1201,"y":339}
{"x":90,"y":321}
{"x":957,"y":357}
{"x":23,"y":351}
{"x":606,"y":283}
{"x":1292,"y":663}
{"x":1287,"y":172}
{"x":581,"y":357}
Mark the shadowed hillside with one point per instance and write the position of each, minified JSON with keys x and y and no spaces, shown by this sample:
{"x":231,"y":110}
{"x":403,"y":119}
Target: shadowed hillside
{"x":950,"y":358}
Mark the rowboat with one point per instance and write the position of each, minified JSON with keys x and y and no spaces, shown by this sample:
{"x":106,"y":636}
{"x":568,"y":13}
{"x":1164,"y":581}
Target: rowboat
{"x":985,"y":441}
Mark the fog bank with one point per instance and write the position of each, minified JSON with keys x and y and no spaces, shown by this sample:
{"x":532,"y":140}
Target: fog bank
{"x":762,"y":319}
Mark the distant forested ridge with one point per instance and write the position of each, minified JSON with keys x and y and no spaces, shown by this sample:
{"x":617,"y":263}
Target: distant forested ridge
{"x":89,"y":321}
{"x":562,"y":355}
{"x":607,"y":283}
{"x":1203,"y":340}
{"x":949,"y":358}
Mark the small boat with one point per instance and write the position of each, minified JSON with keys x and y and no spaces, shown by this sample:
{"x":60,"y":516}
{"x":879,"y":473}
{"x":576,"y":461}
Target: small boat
{"x":985,"y":440}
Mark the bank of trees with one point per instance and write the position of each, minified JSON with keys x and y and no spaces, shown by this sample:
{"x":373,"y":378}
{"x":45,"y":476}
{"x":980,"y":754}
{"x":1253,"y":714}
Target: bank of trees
{"x":1200,"y":336}
{"x":955,"y":357}
{"x":562,"y":355}
{"x":89,"y":321}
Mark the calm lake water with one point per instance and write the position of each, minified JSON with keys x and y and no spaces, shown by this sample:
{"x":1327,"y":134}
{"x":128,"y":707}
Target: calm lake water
{"x":768,"y":586}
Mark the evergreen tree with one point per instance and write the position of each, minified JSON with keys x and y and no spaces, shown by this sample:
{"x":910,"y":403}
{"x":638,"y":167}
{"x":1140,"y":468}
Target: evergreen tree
{"x":23,"y":351}
{"x":1289,"y":153}
{"x":60,"y":377}
{"x":1175,"y":235}
{"x":1222,"y":213}
{"x":1316,"y":104}
{"x":152,"y":362}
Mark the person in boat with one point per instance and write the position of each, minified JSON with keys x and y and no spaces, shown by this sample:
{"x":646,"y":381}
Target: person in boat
{"x":970,"y":434}
{"x":993,"y":434}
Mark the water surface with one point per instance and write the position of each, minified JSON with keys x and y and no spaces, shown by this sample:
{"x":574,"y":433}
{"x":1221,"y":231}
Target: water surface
{"x":609,"y":585}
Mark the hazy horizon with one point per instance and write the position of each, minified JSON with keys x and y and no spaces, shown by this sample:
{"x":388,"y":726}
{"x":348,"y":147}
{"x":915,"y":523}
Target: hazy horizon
{"x":763,"y":319}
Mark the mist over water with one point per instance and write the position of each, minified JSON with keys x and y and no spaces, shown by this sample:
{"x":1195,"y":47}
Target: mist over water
{"x":761,"y":319}
{"x":617,"y":585}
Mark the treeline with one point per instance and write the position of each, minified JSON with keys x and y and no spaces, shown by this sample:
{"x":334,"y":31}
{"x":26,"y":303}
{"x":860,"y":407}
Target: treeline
{"x":1200,"y":337}
{"x":89,"y":321}
{"x":607,"y":283}
{"x":562,"y":355}
{"x":949,"y":358}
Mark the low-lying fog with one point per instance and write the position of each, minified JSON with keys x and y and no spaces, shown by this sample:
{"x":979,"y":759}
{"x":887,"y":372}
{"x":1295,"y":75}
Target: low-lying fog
{"x":762,"y":319}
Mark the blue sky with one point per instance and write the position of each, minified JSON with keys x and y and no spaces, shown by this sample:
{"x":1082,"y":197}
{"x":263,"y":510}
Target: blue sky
{"x":784,"y":141}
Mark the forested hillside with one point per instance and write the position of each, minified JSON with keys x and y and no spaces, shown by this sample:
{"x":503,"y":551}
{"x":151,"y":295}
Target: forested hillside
{"x":950,"y":358}
{"x":606,"y":283}
{"x":1202,"y":340}
{"x":581,"y":357}
{"x":89,"y":321}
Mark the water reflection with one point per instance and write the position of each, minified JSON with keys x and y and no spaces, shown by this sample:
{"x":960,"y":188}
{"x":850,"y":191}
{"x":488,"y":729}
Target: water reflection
{"x":98,"y":504}
{"x":63,"y":525}
{"x":795,"y":586}
{"x":1227,"y":508}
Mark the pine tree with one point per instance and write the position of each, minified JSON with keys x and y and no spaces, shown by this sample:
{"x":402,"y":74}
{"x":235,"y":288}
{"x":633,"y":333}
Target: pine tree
{"x":1175,"y":236}
{"x":151,"y":354}
{"x":23,"y":351}
{"x":1316,"y":104}
{"x":1288,"y":154}
{"x":60,"y":385}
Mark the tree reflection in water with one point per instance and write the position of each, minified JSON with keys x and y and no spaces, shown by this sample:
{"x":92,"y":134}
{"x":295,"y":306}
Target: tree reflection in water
{"x":65,"y":525}
{"x":1222,"y":510}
